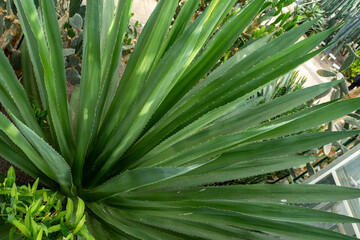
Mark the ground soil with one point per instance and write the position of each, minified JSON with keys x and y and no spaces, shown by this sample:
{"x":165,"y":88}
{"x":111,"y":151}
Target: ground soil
{"x":20,"y":175}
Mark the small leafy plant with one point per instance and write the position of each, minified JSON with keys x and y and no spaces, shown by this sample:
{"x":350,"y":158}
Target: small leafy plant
{"x":354,"y":68}
{"x":130,"y":39}
{"x":31,"y":213}
{"x":142,"y":152}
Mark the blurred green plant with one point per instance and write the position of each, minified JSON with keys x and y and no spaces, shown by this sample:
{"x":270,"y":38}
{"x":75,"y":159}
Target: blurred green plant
{"x":130,"y":39}
{"x":289,"y":83}
{"x":336,"y":12}
{"x":309,"y":11}
{"x":354,"y":68}
{"x":349,"y":33}
{"x":141,"y":152}
{"x":30,"y":213}
{"x":350,"y":121}
{"x":40,"y":115}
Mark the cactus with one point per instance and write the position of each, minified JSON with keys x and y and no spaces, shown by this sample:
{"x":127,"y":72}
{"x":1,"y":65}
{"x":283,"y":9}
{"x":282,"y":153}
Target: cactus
{"x":15,"y":60}
{"x":74,"y":61}
{"x":349,"y":32}
{"x":326,"y":73}
{"x":351,"y":121}
{"x":76,"y":21}
{"x":336,"y":12}
{"x":73,"y":76}
{"x":74,"y":34}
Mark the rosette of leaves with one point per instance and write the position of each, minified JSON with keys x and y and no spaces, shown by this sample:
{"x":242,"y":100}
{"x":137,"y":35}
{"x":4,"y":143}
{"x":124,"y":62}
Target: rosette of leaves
{"x":32,"y":213}
{"x":291,"y":82}
{"x":142,"y":152}
{"x":309,"y":11}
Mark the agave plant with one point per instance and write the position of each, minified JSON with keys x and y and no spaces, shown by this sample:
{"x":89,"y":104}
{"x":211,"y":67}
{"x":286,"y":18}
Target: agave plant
{"x":311,"y":11}
{"x":142,"y":152}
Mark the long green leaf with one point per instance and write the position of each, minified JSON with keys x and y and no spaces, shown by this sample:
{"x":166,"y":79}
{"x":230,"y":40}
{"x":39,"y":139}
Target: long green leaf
{"x":107,"y":19}
{"x":252,"y":159}
{"x":311,"y":119}
{"x":182,"y":22}
{"x":242,"y":119}
{"x":224,"y":218}
{"x":17,"y":138}
{"x":8,"y":103}
{"x":54,"y":42}
{"x":179,"y":228}
{"x":219,"y":219}
{"x":131,"y":229}
{"x":111,"y":60}
{"x":34,"y":55}
{"x":273,"y":193}
{"x":89,"y":88}
{"x":21,"y":161}
{"x":276,"y":211}
{"x":99,"y":229}
{"x":12,"y":86}
{"x":28,"y":77}
{"x":55,"y":86}
{"x":56,"y":165}
{"x":132,"y":180}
